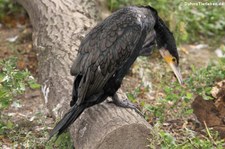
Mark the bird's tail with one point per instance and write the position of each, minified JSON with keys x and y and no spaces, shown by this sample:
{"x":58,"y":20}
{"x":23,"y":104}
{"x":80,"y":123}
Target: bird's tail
{"x":67,"y":120}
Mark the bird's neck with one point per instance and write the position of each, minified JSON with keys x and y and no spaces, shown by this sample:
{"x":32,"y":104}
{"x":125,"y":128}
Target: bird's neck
{"x":163,"y":34}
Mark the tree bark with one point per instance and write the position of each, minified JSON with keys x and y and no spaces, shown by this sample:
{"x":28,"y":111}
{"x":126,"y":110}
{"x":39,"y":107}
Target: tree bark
{"x":58,"y":27}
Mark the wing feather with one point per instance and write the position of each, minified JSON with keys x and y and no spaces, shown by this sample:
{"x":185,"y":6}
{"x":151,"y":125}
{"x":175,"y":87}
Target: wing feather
{"x":104,"y":50}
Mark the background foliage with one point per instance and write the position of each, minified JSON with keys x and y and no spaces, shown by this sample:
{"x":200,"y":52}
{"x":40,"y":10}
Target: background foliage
{"x":11,"y":13}
{"x":13,"y":81}
{"x":189,"y":23}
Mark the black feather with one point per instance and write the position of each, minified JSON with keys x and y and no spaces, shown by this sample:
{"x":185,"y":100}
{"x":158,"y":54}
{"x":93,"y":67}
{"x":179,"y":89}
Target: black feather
{"x":107,"y":53}
{"x":67,"y":120}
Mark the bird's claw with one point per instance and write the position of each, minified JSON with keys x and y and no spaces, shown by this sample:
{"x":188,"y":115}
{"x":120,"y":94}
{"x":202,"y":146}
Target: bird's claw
{"x":125,"y":104}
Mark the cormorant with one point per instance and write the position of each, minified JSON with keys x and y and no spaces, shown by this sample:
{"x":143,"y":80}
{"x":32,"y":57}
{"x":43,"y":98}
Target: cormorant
{"x":108,"y":51}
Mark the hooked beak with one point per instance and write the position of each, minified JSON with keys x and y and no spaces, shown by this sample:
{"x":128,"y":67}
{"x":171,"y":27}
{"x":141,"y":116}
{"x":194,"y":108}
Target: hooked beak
{"x":173,"y":64}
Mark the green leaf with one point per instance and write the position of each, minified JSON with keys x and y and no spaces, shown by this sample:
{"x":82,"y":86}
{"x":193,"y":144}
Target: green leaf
{"x":189,"y":111}
{"x":189,"y":95}
{"x":33,"y":84}
{"x":131,"y":97}
{"x":13,"y":81}
{"x":9,"y":125}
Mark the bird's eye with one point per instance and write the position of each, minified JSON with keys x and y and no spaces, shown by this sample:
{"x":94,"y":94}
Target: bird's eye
{"x":174,"y":60}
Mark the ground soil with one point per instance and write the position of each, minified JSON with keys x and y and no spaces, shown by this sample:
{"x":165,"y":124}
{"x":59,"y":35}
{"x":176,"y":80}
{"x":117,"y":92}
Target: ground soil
{"x":27,"y":112}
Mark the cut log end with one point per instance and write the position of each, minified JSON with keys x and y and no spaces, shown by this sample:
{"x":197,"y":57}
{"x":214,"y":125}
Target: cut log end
{"x":108,"y":126}
{"x":130,"y":136}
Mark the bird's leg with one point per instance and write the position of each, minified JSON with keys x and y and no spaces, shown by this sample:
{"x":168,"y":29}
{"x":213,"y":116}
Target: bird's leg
{"x":124,"y":103}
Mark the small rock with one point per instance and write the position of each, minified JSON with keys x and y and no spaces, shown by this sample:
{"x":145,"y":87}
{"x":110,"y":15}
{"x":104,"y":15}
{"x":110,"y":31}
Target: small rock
{"x":12,"y":39}
{"x":219,"y":53}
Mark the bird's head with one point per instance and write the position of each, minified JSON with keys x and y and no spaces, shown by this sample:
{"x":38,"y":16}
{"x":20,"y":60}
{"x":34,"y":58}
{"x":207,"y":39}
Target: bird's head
{"x":165,"y":43}
{"x":167,"y":47}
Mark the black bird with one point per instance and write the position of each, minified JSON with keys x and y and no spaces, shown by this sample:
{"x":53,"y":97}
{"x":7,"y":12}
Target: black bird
{"x":108,"y":51}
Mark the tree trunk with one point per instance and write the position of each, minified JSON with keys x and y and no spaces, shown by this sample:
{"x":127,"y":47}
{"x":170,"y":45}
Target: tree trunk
{"x":58,"y":27}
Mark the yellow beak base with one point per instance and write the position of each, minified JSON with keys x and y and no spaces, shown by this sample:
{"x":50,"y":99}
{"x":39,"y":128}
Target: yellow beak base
{"x":173,"y":64}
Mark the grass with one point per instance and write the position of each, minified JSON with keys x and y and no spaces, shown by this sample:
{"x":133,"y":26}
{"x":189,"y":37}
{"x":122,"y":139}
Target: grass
{"x":165,"y":140}
{"x":14,"y":82}
{"x":63,"y":142}
{"x":175,"y":97}
{"x":174,"y":103}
